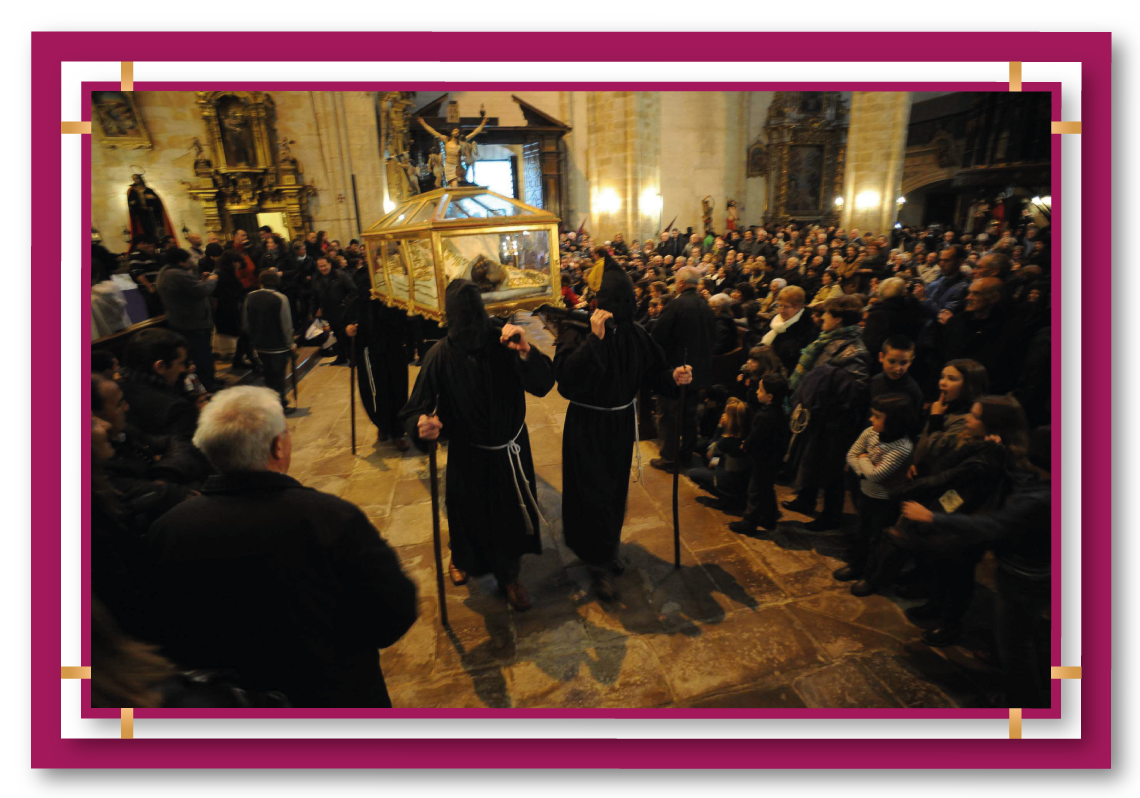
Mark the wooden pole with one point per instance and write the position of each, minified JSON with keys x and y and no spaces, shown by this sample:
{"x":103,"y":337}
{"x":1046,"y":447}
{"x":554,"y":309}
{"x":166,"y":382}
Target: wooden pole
{"x":437,"y":541}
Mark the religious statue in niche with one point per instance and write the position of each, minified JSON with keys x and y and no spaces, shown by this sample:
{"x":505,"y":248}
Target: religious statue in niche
{"x":707,"y":212}
{"x":732,"y":215}
{"x":458,"y":148}
{"x":148,"y":214}
{"x":811,"y":102}
{"x":120,"y":119}
{"x":237,"y":138}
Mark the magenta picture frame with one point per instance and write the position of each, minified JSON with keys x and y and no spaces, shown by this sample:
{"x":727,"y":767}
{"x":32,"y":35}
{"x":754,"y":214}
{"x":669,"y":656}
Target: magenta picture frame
{"x":1092,"y":750}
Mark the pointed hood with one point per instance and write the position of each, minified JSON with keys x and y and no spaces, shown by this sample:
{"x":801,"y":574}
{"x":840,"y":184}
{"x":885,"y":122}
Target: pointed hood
{"x":616,"y":292}
{"x":467,"y":319}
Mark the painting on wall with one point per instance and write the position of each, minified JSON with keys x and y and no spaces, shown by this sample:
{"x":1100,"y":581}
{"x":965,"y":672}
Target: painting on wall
{"x":805,"y":178}
{"x":119,"y":117}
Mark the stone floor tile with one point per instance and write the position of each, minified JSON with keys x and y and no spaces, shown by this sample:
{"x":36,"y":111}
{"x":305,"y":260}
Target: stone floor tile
{"x":844,"y":684}
{"x":840,"y":638}
{"x":905,"y":681}
{"x":782,"y":697}
{"x":764,"y":649}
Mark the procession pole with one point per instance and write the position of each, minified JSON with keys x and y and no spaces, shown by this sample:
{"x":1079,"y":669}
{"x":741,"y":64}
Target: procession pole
{"x":293,"y":359}
{"x":352,"y":391}
{"x":436,"y":539}
{"x":677,"y":473}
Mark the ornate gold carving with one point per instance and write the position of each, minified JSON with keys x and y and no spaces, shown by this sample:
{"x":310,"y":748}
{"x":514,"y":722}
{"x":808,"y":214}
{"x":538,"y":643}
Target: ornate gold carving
{"x":244,"y":172}
{"x":805,"y":119}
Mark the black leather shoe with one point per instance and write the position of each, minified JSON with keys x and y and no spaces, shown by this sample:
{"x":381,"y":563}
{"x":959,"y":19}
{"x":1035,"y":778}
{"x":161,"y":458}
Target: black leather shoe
{"x":796,"y":506}
{"x":668,"y":466}
{"x":846,"y":574}
{"x":823,"y":524}
{"x":862,"y":588}
{"x":743,"y":527}
{"x":924,"y":613}
{"x":942,"y":636}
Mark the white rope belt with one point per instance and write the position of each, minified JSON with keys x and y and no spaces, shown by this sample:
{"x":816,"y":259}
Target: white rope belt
{"x":636,"y":429}
{"x":371,"y":380}
{"x":514,"y":457}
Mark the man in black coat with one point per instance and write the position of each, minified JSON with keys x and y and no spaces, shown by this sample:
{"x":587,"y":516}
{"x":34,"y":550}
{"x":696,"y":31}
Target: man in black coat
{"x":154,"y":369}
{"x":987,"y":334}
{"x":334,"y":294}
{"x":292,"y":589}
{"x":686,"y":330}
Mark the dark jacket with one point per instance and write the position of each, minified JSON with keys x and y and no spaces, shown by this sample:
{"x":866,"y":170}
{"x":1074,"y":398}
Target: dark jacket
{"x":334,"y":294}
{"x":790,"y":343}
{"x":291,"y":588}
{"x":766,"y":442}
{"x":686,"y":329}
{"x":157,"y":409}
{"x":726,"y":339}
{"x":186,"y":298}
{"x":996,"y":342}
{"x":267,"y":320}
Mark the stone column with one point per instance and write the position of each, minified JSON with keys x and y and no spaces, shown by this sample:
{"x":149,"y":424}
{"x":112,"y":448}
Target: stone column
{"x":624,"y":169}
{"x":876,"y":149}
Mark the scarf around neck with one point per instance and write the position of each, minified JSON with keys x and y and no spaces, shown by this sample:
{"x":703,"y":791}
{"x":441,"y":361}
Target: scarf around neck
{"x":812,"y":351}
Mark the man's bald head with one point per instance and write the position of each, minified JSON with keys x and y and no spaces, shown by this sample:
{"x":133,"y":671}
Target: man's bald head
{"x":984,"y":293}
{"x":688,"y":277}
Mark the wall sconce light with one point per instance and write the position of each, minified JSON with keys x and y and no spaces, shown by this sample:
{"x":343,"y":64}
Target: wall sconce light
{"x":650,"y":202}
{"x":1047,"y":200}
{"x":608,"y":201}
{"x":839,"y":202}
{"x":389,"y":206}
{"x":901,"y":201}
{"x":867,"y":199}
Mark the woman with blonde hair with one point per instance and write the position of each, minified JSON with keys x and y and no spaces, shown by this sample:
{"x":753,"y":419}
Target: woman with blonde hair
{"x":727,"y":479}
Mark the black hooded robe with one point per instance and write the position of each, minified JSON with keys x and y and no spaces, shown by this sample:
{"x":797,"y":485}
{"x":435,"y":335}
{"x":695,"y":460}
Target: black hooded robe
{"x":597,"y":445}
{"x":478,"y":384}
{"x":382,"y":362}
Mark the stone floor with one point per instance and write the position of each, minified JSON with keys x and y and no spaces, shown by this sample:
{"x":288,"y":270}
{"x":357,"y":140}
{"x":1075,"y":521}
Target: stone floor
{"x":746,"y":622}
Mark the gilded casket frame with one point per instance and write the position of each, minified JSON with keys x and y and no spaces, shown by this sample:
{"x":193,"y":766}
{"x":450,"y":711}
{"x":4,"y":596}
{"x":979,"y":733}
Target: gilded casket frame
{"x":438,"y":230}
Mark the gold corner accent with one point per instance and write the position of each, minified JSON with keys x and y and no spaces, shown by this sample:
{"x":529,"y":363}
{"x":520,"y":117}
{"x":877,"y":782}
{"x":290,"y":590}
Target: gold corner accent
{"x":127,"y":724}
{"x":1066,"y":127}
{"x":1015,"y":76}
{"x":83,"y":128}
{"x":1015,"y":723}
{"x":127,"y":81}
{"x":75,"y":672}
{"x":1065,"y":672}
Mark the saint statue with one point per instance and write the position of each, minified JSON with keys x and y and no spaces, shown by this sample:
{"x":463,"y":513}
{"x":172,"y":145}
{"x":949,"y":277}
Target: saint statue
{"x":148,"y":214}
{"x":236,"y":137}
{"x":732,"y":216}
{"x":411,"y":175}
{"x":457,"y":148}
{"x":707,"y":212}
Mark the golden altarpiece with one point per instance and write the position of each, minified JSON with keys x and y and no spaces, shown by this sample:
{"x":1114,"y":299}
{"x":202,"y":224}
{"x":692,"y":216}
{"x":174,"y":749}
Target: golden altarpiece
{"x":244,"y":170}
{"x":807,"y":150}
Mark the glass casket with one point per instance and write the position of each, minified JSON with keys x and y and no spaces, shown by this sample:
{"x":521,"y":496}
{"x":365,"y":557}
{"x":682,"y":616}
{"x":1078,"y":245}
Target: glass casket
{"x":507,"y":248}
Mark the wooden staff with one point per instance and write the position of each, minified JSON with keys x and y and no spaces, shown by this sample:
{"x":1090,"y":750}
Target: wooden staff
{"x":352,"y":392}
{"x":437,"y":541}
{"x":293,"y":359}
{"x":677,"y":472}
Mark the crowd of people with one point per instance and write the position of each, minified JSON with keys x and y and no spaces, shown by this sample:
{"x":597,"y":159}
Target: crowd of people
{"x":909,"y":370}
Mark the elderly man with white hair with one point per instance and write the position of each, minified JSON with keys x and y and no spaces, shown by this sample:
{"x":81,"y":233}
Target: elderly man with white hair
{"x":292,"y":589}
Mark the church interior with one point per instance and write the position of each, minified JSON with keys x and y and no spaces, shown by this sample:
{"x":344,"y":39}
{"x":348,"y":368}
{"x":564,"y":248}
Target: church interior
{"x":918,"y":221}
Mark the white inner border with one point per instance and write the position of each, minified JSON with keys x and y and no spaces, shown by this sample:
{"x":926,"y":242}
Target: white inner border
{"x":74,"y":73}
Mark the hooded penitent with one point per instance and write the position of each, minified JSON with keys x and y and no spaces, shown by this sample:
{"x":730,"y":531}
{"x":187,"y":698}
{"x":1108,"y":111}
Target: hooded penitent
{"x":467,"y":319}
{"x":616,"y":292}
